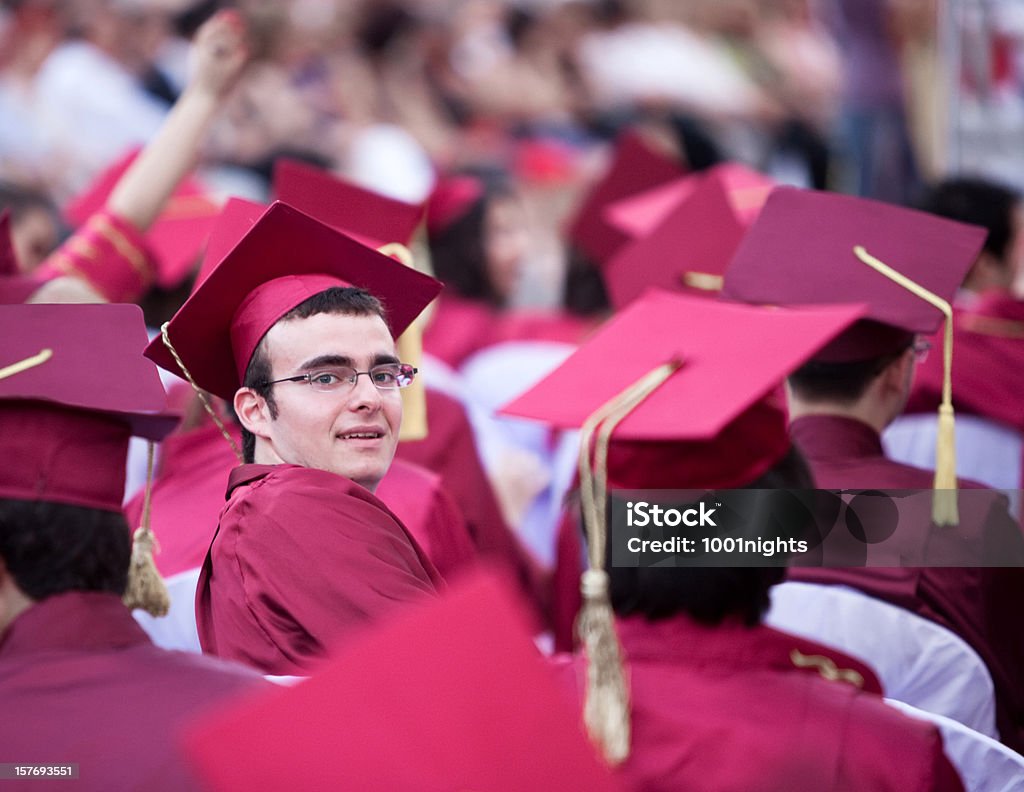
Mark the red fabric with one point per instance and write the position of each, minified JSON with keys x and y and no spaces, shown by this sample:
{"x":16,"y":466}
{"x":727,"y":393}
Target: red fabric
{"x":722,"y":709}
{"x":177,"y":235}
{"x":458,"y":328}
{"x":62,"y":456}
{"x":635,"y":167}
{"x":8,"y":262}
{"x":109,"y":253}
{"x":451,"y":200}
{"x":267,"y":303}
{"x":988,"y":363}
{"x":302,"y":558}
{"x":721,"y":373}
{"x":980,"y":604}
{"x":370,"y":217}
{"x":449,"y":450}
{"x":449,"y":696}
{"x":418,"y":499}
{"x":188,"y":496}
{"x":81,"y":682}
{"x":780,"y":262}
{"x":283,"y":243}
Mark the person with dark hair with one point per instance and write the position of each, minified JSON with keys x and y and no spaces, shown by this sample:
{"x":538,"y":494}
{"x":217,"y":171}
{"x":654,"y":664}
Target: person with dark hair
{"x":994,"y":207}
{"x":988,"y":328}
{"x":79,"y":680}
{"x":685,"y":687}
{"x":808,"y":248}
{"x":285,"y":328}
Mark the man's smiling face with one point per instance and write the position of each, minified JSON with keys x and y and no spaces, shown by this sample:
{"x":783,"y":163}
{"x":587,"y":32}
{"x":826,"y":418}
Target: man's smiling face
{"x":352,"y":431}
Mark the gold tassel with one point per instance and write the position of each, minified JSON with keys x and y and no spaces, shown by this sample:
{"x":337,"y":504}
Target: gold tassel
{"x":606,"y":708}
{"x":945,"y":511}
{"x":203,"y":396}
{"x":26,"y":364}
{"x":146,"y":589}
{"x":606,"y":704}
{"x":410,"y":350}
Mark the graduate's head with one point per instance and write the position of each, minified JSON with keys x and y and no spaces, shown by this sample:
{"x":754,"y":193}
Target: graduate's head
{"x":74,"y":388}
{"x":322,"y":388}
{"x":996,"y":208}
{"x":675,"y":393}
{"x":873,"y":388}
{"x":296,"y":327}
{"x":478,"y":238}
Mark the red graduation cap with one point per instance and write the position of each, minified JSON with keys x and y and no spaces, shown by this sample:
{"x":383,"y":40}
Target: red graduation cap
{"x":451,"y":199}
{"x":691,"y":246}
{"x":370,"y":217}
{"x":635,"y":167}
{"x":730,"y":358}
{"x":73,"y":388}
{"x":283,"y":259}
{"x":176,"y":238}
{"x":449,"y":696}
{"x":638,"y":215}
{"x":800,"y":250}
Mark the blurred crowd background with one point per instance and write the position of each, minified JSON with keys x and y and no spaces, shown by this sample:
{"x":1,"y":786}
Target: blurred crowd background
{"x":870,"y":97}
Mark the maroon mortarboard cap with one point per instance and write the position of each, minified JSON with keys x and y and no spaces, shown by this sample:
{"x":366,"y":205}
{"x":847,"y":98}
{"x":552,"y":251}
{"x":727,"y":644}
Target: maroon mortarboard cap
{"x":635,"y":167}
{"x":282,"y":260}
{"x":370,"y":217}
{"x":8,"y":261}
{"x":74,"y":387}
{"x":178,"y":234}
{"x":638,"y":215}
{"x":450,"y":201}
{"x":451,"y":695}
{"x":800,"y":250}
{"x":710,"y":423}
{"x":691,"y":247}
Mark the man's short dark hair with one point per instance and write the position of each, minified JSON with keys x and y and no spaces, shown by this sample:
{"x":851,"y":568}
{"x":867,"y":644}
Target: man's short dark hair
{"x":843,"y":383}
{"x":710,"y":595}
{"x":348,"y":301}
{"x":978,"y":201}
{"x":51,"y":548}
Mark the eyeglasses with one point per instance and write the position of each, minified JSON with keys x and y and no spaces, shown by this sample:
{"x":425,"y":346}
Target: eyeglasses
{"x":921,"y":349}
{"x":386,"y":376}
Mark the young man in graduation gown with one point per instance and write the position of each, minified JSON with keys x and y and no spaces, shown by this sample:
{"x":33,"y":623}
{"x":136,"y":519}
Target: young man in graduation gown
{"x":843,"y":398}
{"x":79,"y":680}
{"x":296,"y":326}
{"x":677,"y":393}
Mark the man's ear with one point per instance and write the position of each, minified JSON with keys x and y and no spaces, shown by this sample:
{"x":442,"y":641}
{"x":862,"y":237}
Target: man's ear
{"x":898,"y":375}
{"x":253,"y":411}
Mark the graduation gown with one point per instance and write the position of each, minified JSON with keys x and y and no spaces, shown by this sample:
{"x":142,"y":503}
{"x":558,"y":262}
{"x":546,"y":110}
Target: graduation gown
{"x":980,"y":604}
{"x":988,"y":363}
{"x":81,"y":683}
{"x":449,"y":449}
{"x":301,"y":559}
{"x":188,"y":494}
{"x":724,"y":709}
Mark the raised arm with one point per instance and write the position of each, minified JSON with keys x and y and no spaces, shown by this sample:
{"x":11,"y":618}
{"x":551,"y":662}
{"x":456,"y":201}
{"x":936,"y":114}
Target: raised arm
{"x":219,"y":54}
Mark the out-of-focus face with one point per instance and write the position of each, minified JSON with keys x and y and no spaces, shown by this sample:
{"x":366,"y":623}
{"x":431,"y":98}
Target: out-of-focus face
{"x":352,"y":432}
{"x":34,"y":236}
{"x":506,"y":239}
